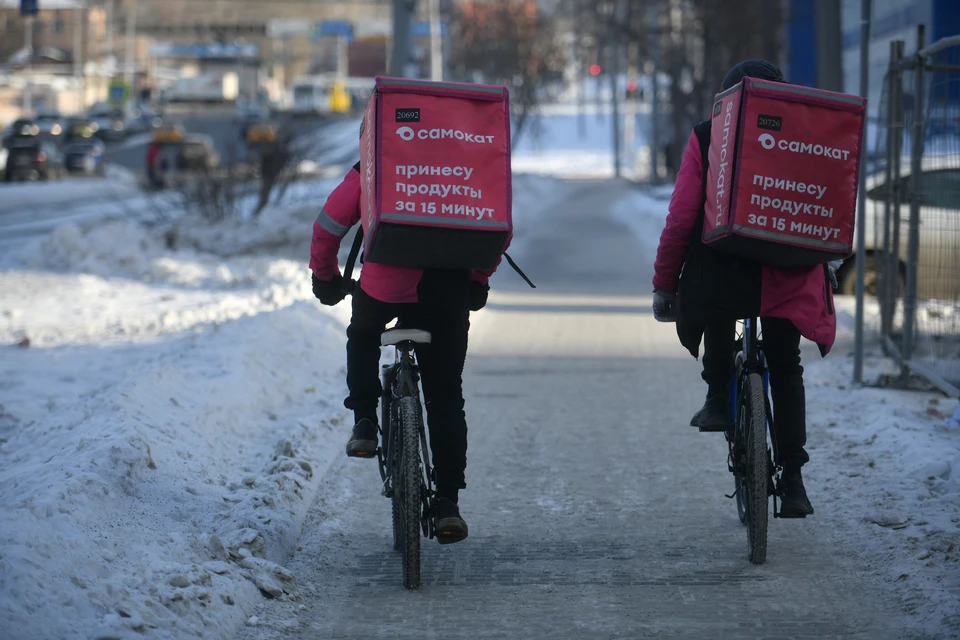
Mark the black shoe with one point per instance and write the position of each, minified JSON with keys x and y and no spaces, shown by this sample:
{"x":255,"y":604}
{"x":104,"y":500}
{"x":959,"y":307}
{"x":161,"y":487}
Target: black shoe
{"x":363,"y":441}
{"x":715,"y":413}
{"x":793,"y":497}
{"x":449,"y":527}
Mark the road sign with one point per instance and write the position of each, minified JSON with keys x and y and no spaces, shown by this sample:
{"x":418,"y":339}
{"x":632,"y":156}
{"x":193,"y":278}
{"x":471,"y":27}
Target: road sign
{"x":333,"y":28}
{"x":118,"y":93}
{"x":28,"y":7}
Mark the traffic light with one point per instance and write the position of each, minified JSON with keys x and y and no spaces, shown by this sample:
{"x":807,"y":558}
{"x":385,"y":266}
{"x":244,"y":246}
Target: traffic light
{"x":595,"y":70}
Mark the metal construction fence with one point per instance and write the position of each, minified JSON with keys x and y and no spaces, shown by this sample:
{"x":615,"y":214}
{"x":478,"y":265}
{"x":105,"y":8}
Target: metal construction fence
{"x":912,"y":213}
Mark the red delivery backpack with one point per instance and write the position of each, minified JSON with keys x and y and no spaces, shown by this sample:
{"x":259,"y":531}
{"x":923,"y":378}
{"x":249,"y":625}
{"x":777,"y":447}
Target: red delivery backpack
{"x":435,"y":172}
{"x":784,"y":168}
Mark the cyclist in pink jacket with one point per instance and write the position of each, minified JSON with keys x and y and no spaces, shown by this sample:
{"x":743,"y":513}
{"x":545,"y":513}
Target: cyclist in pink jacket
{"x":706,"y":291}
{"x":438,"y":301}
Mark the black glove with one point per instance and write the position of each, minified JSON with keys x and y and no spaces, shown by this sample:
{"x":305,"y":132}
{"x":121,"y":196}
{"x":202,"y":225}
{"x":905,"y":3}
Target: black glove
{"x":478,"y":295}
{"x":329,"y":292}
{"x":664,"y":306}
{"x":832,"y":267}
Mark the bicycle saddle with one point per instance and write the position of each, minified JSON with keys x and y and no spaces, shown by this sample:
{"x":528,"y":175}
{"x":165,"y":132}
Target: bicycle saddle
{"x":392,"y":337}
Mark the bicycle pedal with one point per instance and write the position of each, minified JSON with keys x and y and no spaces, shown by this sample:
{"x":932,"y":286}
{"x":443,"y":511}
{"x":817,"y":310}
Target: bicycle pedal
{"x":450,"y":537}
{"x":712,"y":429}
{"x":362,"y":454}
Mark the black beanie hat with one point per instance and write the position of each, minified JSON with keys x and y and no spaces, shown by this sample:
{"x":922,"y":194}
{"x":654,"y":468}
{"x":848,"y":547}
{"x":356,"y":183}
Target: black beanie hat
{"x":755,"y":68}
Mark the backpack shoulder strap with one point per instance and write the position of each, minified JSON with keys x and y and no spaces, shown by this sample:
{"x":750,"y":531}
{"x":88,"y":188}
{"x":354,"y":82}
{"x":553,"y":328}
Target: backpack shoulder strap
{"x":348,"y":282}
{"x":517,"y":269}
{"x":702,"y":131}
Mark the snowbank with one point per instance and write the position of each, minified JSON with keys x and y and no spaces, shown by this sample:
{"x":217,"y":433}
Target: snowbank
{"x":562,"y":144}
{"x":886,"y":470}
{"x":148,"y":489}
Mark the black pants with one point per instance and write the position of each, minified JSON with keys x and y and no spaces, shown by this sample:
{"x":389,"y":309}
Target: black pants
{"x":781,"y":345}
{"x":443,"y":310}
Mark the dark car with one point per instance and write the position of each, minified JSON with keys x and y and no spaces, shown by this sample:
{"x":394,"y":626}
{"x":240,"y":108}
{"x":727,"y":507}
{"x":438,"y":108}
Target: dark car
{"x":22,"y":131}
{"x":34,"y":160}
{"x":110,"y":120}
{"x":85,"y":157}
{"x":79,"y":129}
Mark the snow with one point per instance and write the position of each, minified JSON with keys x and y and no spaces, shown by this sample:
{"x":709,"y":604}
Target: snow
{"x":174,"y":401}
{"x":554,"y":144}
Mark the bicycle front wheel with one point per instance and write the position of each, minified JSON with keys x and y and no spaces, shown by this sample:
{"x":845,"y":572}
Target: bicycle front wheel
{"x":408,"y":497}
{"x":753,"y":426}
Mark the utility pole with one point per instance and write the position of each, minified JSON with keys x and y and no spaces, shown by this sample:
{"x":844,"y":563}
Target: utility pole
{"x":829,"y":44}
{"x":615,"y":40}
{"x":108,"y":36}
{"x":28,"y":43}
{"x":436,"y":42}
{"x":78,"y":19}
{"x":654,"y":95}
{"x":865,"y":15}
{"x":131,"y":61}
{"x":402,"y":9}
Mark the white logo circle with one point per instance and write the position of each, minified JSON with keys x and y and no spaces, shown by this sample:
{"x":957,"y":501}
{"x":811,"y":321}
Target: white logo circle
{"x":405,"y":133}
{"x":767,"y":140}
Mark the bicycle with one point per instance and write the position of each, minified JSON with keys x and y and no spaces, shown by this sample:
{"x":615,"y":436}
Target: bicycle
{"x":407,"y":477}
{"x":750,"y":459}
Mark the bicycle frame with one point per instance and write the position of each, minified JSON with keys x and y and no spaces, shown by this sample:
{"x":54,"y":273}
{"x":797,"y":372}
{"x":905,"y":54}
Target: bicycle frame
{"x":401,"y":380}
{"x":750,"y":360}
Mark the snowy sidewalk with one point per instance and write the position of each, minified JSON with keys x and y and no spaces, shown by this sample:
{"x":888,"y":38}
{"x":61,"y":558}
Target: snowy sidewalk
{"x":596,"y":512}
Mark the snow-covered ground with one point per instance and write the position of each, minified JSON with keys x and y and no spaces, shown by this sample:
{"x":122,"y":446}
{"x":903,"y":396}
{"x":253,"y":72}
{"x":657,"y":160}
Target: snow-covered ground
{"x":166,"y":416}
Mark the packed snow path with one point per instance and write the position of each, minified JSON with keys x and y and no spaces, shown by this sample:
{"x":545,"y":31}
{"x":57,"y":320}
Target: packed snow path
{"x":594,"y":510}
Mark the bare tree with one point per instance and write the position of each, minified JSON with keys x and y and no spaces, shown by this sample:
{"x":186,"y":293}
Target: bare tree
{"x":508,"y":42}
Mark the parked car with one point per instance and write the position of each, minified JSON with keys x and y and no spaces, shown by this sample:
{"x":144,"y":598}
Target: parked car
{"x":938,"y":264}
{"x":85,"y":157}
{"x":34,"y":160}
{"x":80,"y":128}
{"x":110,"y":121}
{"x":23,"y":130}
{"x":198,"y":153}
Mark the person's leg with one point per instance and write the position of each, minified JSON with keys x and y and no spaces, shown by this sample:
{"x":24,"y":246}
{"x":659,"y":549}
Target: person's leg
{"x":719,"y":338}
{"x":368,"y":322}
{"x":444,"y":312}
{"x":781,"y":345}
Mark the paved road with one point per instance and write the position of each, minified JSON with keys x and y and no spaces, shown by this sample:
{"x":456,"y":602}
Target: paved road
{"x":594,"y":511}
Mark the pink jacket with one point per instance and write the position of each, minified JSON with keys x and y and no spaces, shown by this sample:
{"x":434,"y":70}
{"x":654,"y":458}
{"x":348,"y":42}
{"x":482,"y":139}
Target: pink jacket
{"x":799,"y":295}
{"x":379,"y":281}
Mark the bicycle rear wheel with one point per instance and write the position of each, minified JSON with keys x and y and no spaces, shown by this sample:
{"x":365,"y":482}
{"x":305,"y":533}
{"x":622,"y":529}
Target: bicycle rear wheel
{"x":407,"y":491}
{"x":753,"y":427}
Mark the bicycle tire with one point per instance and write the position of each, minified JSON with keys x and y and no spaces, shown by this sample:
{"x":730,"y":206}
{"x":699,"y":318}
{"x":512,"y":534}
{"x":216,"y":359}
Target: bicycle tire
{"x":410,"y":477}
{"x":395,"y":481}
{"x":757,"y":468}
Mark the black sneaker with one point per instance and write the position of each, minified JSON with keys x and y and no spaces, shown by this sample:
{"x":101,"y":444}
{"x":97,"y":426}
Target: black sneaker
{"x":715,"y":413}
{"x":363,"y":441}
{"x":793,"y":497}
{"x":449,"y":527}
